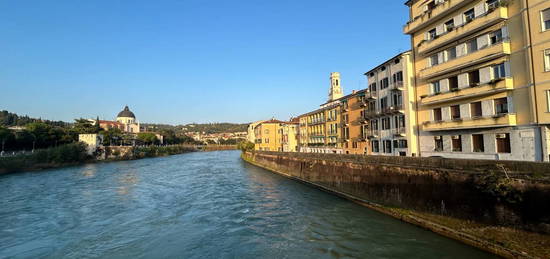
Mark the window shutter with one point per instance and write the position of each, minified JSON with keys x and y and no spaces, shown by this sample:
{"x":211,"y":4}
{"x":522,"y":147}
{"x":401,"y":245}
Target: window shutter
{"x":480,"y":9}
{"x":465,"y":110}
{"x":458,"y":20}
{"x":426,"y":36}
{"x":446,"y":113}
{"x":487,"y":108}
{"x":485,"y":75}
{"x":440,"y":57}
{"x":444,"y":85}
{"x":546,"y":15}
{"x":504,"y":32}
{"x":440,"y":29}
{"x":431,"y":113}
{"x":463,"y":81}
{"x":482,"y":41}
{"x":429,"y":63}
{"x":510,"y":104}
{"x":507,"y":69}
{"x":461,"y":50}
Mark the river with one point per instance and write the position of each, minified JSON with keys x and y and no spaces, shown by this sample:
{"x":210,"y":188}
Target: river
{"x":196,"y":205}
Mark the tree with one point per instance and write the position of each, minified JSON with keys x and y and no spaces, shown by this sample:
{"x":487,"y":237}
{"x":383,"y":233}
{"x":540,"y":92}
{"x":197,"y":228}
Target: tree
{"x":147,"y":138}
{"x":40,"y":133}
{"x":112,"y":136}
{"x":84,"y":126}
{"x":5,"y":135}
{"x":245,"y":146}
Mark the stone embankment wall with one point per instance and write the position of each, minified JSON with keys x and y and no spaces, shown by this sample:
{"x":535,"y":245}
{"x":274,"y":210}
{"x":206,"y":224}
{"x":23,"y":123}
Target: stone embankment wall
{"x":505,"y":193}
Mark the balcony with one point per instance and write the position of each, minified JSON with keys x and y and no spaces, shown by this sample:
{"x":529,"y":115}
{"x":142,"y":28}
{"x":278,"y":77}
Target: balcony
{"x":399,"y":132}
{"x":493,"y":87}
{"x":363,"y":103}
{"x":499,"y":120}
{"x":371,"y":113}
{"x":371,"y":95}
{"x":316,"y":122}
{"x":373,"y":134}
{"x":393,"y":109}
{"x":471,"y":59}
{"x":396,"y":86}
{"x":363,"y":120}
{"x":493,"y":16}
{"x":438,"y":12}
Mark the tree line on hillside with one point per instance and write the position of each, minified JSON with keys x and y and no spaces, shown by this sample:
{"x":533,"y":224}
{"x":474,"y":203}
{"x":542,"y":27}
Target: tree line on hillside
{"x":8,"y":119}
{"x":208,"y":128}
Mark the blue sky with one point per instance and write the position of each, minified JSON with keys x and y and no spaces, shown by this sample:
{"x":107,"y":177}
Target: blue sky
{"x":185,"y":61}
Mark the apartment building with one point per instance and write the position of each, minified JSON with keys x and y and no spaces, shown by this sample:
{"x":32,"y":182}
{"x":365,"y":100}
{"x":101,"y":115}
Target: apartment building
{"x":250,"y":132}
{"x":354,"y":124}
{"x":481,"y":81}
{"x":390,"y":108}
{"x":268,"y":135}
{"x":289,"y":136}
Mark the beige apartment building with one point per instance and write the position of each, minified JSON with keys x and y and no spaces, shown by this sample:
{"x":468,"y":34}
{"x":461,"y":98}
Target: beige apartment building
{"x":354,"y":124}
{"x":390,"y":108}
{"x":289,"y":136}
{"x":482,"y":77}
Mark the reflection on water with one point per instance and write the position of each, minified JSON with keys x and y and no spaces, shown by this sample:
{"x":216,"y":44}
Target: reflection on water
{"x":197,"y":205}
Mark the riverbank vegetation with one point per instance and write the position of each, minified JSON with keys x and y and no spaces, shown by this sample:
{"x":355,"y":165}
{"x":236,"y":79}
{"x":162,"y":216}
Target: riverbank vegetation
{"x":63,"y":155}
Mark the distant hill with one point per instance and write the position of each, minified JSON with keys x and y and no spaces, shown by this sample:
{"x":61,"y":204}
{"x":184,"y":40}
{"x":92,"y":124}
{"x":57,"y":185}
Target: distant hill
{"x":8,"y":119}
{"x":208,"y":128}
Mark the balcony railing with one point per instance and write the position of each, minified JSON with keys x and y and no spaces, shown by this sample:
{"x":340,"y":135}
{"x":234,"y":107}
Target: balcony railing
{"x":371,"y":113}
{"x":319,"y":121}
{"x":373,"y":133}
{"x":400,"y":131}
{"x":371,"y":95}
{"x":397,"y":86}
{"x":496,"y":120}
{"x":489,"y":88}
{"x":478,"y":57}
{"x":440,"y":10}
{"x":493,"y":16}
{"x":393,"y":109}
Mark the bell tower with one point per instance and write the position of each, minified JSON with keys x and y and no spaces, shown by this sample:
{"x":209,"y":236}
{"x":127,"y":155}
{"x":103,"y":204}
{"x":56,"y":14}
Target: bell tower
{"x":335,"y":91}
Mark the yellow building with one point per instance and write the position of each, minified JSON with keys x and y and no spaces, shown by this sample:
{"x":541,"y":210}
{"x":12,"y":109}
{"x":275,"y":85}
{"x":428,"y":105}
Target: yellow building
{"x":250,"y":132}
{"x":481,"y":81}
{"x":268,"y":135}
{"x":390,"y":108}
{"x":289,"y":136}
{"x":320,"y":130}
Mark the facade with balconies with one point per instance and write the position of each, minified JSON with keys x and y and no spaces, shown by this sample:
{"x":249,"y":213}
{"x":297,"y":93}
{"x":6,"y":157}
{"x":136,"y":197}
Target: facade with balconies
{"x":354,"y":124}
{"x":475,"y":88}
{"x":389,"y":108}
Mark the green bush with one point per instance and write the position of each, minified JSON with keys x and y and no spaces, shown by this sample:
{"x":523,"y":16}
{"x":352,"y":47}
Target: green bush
{"x":66,"y":154}
{"x":245,"y":146}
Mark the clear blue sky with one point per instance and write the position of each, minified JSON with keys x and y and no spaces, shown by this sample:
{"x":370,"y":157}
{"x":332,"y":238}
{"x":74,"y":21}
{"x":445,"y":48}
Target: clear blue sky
{"x":178,"y":62}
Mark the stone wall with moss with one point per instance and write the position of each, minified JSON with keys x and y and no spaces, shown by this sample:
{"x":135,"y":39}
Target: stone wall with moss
{"x":506,"y":193}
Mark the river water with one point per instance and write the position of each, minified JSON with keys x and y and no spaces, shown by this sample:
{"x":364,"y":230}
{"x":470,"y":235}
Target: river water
{"x":196,"y":205}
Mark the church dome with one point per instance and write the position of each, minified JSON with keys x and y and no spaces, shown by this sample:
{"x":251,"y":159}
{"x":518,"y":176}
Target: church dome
{"x":126,"y":113}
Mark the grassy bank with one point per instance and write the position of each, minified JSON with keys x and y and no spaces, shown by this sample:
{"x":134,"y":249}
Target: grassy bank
{"x":65,"y":155}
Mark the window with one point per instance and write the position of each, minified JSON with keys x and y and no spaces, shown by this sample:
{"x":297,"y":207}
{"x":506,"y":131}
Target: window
{"x":387,"y":146}
{"x":375,"y":146}
{"x":398,"y":77}
{"x":266,"y":140}
{"x":449,"y":25}
{"x":453,"y":83}
{"x":402,"y":143}
{"x":476,"y":109}
{"x":456,"y":141}
{"x":469,"y":16}
{"x":434,"y":60}
{"x":547,"y":60}
{"x":474,"y":78}
{"x":432,"y":34}
{"x":501,"y":105}
{"x":545,"y":19}
{"x":472,"y":46}
{"x":386,"y":123}
{"x":372,"y":86}
{"x":496,"y":36}
{"x":499,"y":71}
{"x":548,"y":100}
{"x":438,"y":143}
{"x":436,"y":87}
{"x":451,"y":53}
{"x":455,"y":112}
{"x":266,"y":131}
{"x":397,"y":99}
{"x":384,"y":103}
{"x":503,"y":143}
{"x":437,"y":114}
{"x":477,"y":143}
{"x":397,"y":61}
{"x":384,"y":83}
{"x":383,"y":69}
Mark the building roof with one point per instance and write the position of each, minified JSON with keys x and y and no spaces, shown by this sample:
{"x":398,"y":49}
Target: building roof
{"x":389,"y":60}
{"x":273,"y":121}
{"x":126,"y":113}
